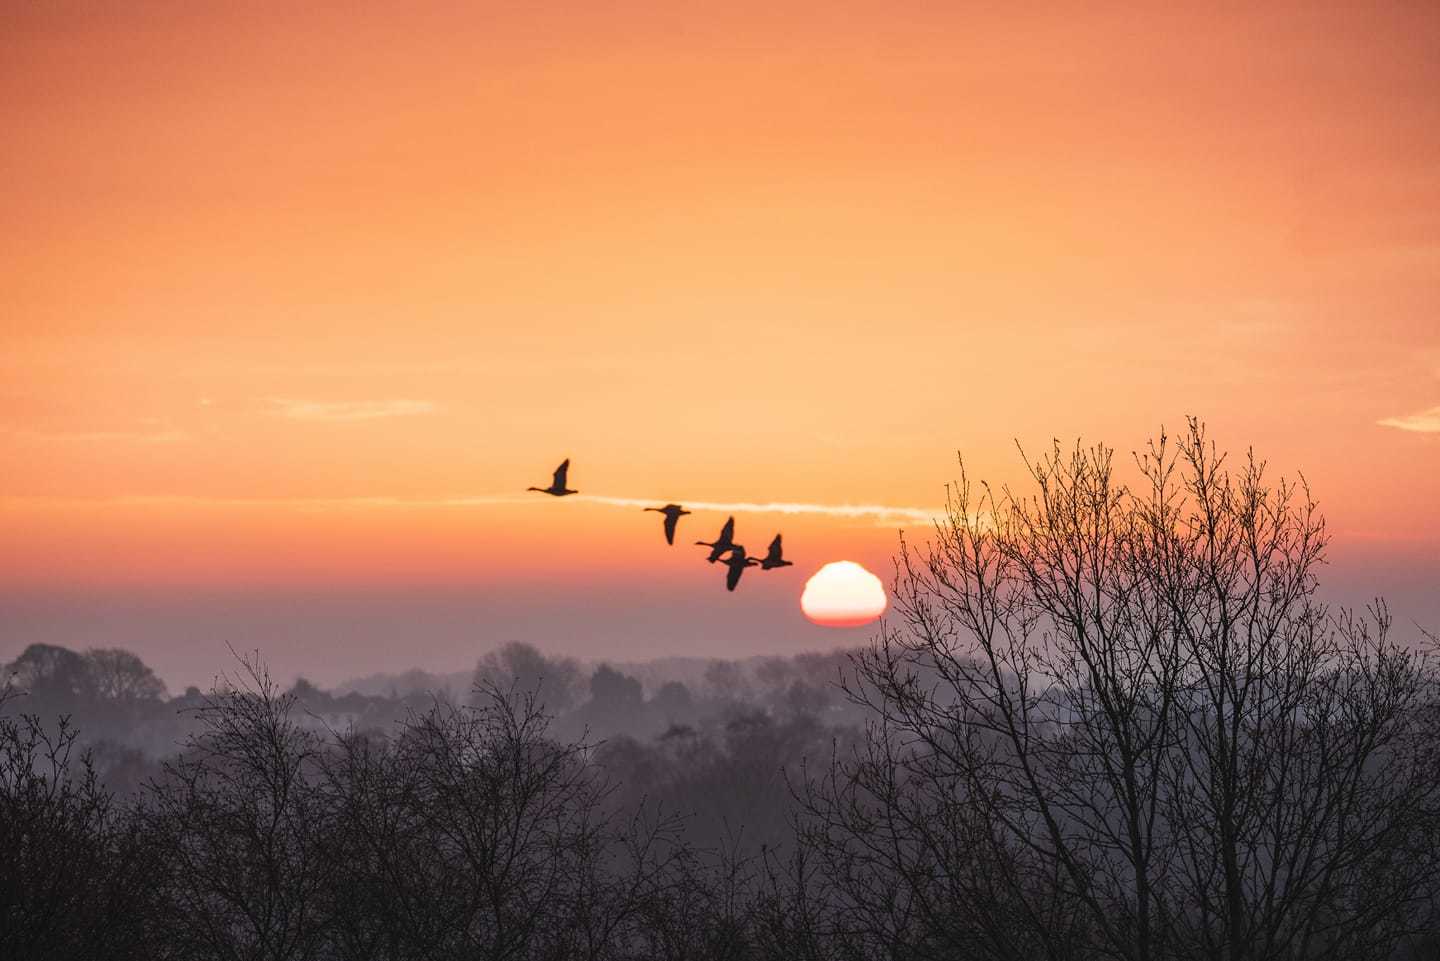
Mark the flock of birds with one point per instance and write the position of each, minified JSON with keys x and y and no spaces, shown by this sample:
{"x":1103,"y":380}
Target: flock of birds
{"x":723,"y":548}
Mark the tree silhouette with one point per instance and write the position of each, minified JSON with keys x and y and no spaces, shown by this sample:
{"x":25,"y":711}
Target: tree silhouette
{"x":557,"y":682}
{"x":1118,"y":722}
{"x":73,"y":871}
{"x":241,"y":827}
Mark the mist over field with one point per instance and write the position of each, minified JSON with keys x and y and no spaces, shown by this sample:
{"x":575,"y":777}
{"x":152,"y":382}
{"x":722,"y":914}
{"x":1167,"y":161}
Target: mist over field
{"x":704,"y":737}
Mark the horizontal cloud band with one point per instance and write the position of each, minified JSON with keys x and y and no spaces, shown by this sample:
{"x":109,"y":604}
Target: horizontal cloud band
{"x":877,"y":511}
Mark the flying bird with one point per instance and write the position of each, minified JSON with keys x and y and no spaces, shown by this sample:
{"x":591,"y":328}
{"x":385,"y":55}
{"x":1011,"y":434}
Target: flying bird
{"x":673,"y":513}
{"x":737,"y":562}
{"x":773,"y":559}
{"x":557,"y":486}
{"x":721,"y":544}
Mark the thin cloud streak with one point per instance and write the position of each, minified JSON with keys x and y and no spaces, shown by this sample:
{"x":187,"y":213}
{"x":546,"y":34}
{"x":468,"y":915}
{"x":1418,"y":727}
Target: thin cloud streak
{"x":1424,"y":422}
{"x":878,"y":511}
{"x":349,"y":410}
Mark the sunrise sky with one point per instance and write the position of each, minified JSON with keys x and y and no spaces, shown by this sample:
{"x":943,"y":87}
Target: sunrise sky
{"x":295,"y":303}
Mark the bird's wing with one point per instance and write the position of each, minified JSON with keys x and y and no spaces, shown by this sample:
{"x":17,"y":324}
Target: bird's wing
{"x":775,"y":547}
{"x":727,"y":533}
{"x":670,"y":520}
{"x":560,"y":474}
{"x":733,"y":577}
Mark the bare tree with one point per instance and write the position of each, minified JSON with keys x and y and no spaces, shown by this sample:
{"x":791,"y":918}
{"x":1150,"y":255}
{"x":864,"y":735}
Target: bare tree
{"x":1118,"y":722}
{"x":242,"y":829}
{"x":472,"y":833}
{"x":72,"y":877}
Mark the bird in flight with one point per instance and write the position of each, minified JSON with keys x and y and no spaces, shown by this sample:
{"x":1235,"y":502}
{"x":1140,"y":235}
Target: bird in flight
{"x":721,"y":544}
{"x":557,"y":486}
{"x":673,"y":513}
{"x":737,"y":562}
{"x":773,"y":559}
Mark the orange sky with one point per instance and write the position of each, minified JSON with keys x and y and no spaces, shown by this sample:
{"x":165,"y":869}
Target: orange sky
{"x":267,"y":271}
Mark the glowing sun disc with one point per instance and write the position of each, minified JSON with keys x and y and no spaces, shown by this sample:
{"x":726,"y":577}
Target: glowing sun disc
{"x":843,"y":594}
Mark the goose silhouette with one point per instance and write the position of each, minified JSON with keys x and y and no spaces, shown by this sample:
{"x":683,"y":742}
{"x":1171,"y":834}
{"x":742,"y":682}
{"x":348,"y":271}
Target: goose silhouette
{"x":737,"y":562}
{"x":673,"y":513}
{"x":557,"y":486}
{"x":721,"y":544}
{"x":773,"y":559}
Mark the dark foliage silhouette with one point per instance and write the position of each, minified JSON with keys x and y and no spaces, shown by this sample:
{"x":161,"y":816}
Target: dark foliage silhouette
{"x":73,"y":870}
{"x":1115,"y":722}
{"x":557,"y":683}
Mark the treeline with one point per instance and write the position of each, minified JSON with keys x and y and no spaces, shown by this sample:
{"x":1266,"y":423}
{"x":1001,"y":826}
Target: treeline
{"x":469,"y":831}
{"x":464,"y":831}
{"x":646,"y":717}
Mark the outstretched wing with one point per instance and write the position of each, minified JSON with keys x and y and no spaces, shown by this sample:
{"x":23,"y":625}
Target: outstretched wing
{"x":727,"y":533}
{"x":733,"y":576}
{"x":774,"y":554}
{"x":670,"y":518}
{"x":560,"y":473}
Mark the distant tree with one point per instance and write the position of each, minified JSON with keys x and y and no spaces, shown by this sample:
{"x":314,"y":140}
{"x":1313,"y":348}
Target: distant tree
{"x":616,"y":705}
{"x":557,"y":683}
{"x":805,"y":699}
{"x":727,"y":680}
{"x":673,"y":703}
{"x":58,"y":680}
{"x":775,"y":672}
{"x":1117,"y":722}
{"x":122,"y":681}
{"x":303,"y":688}
{"x":613,"y":690}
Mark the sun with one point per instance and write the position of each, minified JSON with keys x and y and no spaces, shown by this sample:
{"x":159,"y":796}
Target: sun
{"x":843,"y":594}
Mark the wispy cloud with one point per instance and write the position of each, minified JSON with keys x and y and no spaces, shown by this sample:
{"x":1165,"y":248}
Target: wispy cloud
{"x":1424,"y":422}
{"x":349,"y":410}
{"x":879,"y":512}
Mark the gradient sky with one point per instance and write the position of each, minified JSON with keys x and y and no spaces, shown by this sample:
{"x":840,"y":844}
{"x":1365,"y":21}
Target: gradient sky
{"x":294,"y":303}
